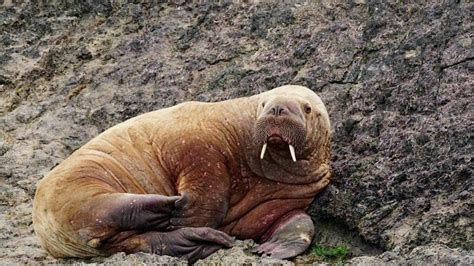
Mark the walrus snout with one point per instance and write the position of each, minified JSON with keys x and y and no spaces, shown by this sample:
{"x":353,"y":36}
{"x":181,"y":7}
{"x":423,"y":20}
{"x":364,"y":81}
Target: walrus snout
{"x":282,"y":106}
{"x":280,"y":127}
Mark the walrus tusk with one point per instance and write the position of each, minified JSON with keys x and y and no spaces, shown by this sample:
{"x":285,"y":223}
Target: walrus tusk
{"x":292,"y":152}
{"x":263,"y":150}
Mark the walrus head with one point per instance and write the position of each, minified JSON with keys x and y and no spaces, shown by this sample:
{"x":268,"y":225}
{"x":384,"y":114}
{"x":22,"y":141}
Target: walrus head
{"x":291,"y":130}
{"x":281,"y":124}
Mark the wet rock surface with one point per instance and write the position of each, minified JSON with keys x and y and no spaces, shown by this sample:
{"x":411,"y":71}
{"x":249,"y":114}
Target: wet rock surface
{"x":396,"y":79}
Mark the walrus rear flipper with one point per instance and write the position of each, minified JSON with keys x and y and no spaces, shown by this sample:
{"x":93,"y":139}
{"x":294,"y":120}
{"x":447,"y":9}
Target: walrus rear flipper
{"x":80,"y":227}
{"x":111,"y":216}
{"x":125,"y":211}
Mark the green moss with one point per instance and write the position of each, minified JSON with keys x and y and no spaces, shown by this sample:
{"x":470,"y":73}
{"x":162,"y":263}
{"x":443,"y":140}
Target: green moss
{"x":332,"y":254}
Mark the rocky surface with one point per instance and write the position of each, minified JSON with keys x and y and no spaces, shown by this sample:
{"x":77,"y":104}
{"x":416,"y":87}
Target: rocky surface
{"x":396,"y":78}
{"x":433,"y":254}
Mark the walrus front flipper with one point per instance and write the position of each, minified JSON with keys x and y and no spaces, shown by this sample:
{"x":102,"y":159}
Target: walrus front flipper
{"x":288,"y":237}
{"x":192,"y":243}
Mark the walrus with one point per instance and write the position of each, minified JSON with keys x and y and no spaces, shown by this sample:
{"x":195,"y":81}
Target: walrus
{"x":187,"y":180}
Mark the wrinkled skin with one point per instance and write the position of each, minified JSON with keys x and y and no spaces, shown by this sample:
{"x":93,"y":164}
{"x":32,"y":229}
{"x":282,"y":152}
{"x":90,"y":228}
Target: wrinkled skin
{"x":181,"y":181}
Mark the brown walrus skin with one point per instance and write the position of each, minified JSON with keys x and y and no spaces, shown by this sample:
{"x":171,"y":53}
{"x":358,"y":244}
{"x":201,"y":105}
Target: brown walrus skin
{"x":181,"y":181}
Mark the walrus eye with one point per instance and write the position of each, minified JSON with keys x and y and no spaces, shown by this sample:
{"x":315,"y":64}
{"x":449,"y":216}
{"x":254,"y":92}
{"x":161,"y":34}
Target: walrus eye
{"x":307,"y":109}
{"x":263,"y":104}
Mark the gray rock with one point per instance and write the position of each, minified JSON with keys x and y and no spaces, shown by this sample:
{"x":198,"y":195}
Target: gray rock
{"x":428,"y":255}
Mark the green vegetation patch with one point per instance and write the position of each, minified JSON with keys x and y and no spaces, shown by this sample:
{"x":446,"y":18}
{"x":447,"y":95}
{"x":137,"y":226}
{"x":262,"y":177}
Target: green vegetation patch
{"x":333,"y":254}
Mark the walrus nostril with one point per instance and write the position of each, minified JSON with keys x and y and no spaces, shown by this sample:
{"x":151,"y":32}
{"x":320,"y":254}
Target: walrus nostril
{"x":277,"y":110}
